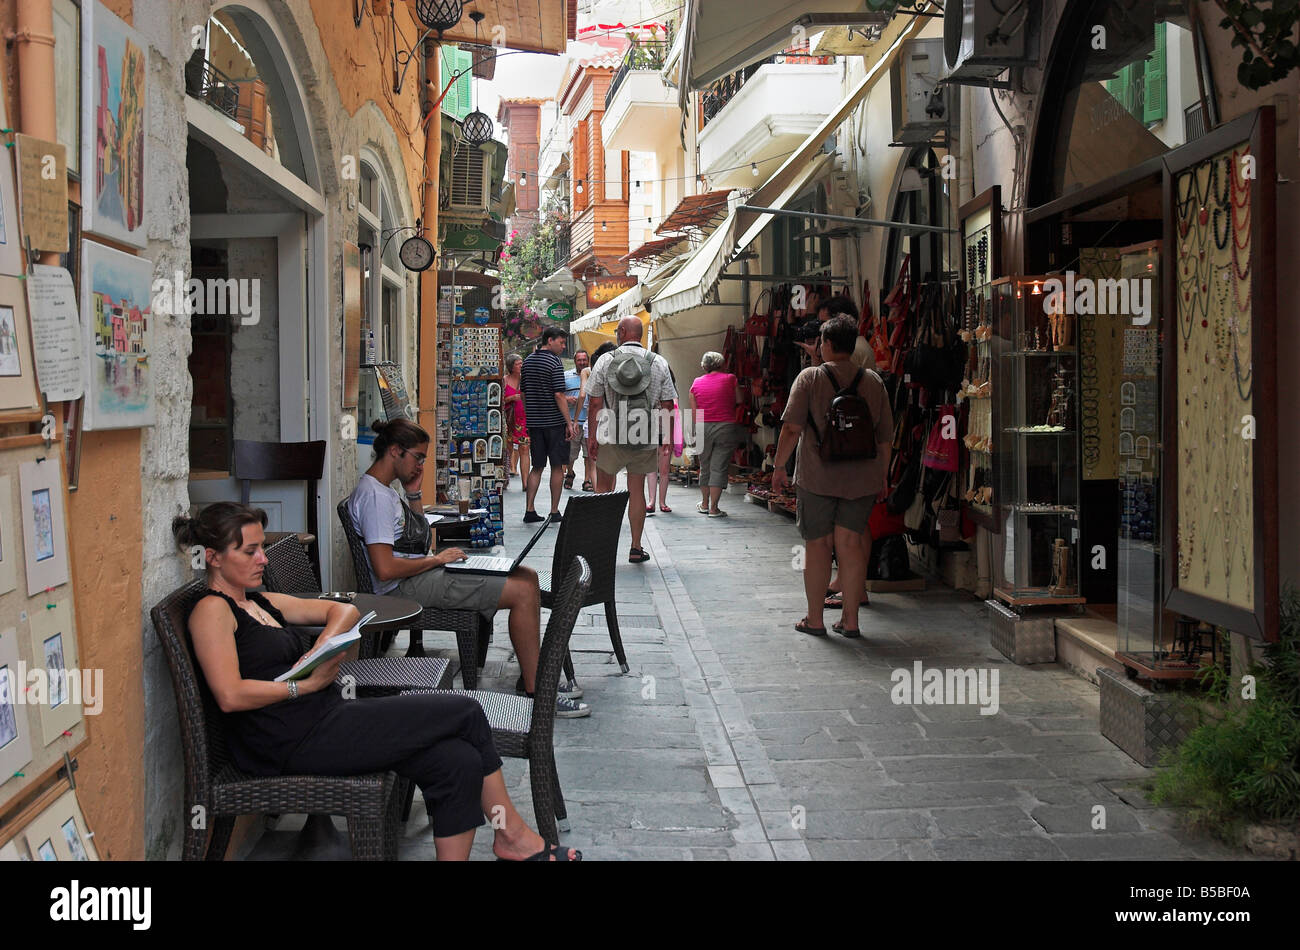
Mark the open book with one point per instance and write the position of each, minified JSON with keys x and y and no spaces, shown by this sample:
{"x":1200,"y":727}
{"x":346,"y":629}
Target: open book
{"x":332,"y":647}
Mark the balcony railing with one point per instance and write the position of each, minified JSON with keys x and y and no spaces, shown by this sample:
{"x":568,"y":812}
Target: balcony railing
{"x":645,"y":54}
{"x":719,"y":93}
{"x":208,"y":84}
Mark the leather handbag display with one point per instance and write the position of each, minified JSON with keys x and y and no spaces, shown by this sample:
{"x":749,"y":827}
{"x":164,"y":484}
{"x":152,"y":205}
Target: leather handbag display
{"x":760,"y":321}
{"x":942,"y":453}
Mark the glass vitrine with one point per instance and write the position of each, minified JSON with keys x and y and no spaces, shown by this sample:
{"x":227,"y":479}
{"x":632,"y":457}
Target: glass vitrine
{"x":1035,"y":433}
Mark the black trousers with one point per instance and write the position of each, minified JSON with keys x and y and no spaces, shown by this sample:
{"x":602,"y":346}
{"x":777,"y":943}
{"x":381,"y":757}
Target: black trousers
{"x":441,"y":742}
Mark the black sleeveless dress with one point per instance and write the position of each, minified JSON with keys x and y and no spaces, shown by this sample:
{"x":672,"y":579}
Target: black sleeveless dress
{"x":262,"y":739}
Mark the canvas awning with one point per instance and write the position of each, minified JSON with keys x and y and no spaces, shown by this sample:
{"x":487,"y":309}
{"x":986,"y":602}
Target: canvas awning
{"x":697,"y":278}
{"x":628,"y":302}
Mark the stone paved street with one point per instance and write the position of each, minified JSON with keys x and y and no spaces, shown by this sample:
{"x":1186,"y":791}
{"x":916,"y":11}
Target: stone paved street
{"x":736,"y":738}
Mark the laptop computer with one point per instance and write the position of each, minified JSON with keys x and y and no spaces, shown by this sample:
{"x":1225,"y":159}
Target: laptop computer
{"x":485,"y":564}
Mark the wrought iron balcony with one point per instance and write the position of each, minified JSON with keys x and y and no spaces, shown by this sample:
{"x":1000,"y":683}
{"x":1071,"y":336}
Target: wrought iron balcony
{"x":207,"y":83}
{"x":718,"y":94}
{"x":644,"y":54}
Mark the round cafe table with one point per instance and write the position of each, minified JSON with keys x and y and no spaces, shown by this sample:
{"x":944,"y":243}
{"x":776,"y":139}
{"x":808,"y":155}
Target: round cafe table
{"x":391,"y":611}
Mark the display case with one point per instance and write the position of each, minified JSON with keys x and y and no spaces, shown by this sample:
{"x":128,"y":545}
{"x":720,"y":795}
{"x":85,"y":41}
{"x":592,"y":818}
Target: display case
{"x":1034,"y":370}
{"x":981,"y":229}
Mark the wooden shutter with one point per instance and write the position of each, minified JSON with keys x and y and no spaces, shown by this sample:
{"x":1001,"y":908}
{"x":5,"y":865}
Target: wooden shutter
{"x":1154,"y":100}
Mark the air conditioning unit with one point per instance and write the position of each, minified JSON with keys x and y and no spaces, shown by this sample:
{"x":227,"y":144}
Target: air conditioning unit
{"x":470,"y":186}
{"x":982,"y":38}
{"x":922,"y":106}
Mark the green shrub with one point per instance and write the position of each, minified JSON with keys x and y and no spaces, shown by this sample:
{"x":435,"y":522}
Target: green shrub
{"x":1245,"y":766}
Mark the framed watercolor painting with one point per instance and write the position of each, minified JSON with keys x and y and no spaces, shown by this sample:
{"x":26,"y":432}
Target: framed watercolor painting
{"x":114,"y":108}
{"x":45,"y":552}
{"x":116,"y":297}
{"x":17,"y":368}
{"x":15,"y":741}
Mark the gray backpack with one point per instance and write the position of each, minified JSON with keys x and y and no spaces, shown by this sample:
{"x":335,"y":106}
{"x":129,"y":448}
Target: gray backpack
{"x":628,"y":380}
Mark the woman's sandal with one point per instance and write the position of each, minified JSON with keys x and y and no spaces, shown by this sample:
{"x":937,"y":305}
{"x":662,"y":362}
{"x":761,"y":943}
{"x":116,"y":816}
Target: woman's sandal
{"x":834,"y":602}
{"x":637,"y":556}
{"x":702,"y":508}
{"x":804,"y":627}
{"x":838,"y":627}
{"x":552,"y":850}
{"x":665,"y":509}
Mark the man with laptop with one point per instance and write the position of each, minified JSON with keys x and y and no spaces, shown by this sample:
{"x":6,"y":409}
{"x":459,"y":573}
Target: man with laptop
{"x":398,"y":539}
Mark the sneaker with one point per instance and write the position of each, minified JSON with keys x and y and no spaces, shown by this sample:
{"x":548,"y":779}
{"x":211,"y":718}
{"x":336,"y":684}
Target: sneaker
{"x":570,"y":709}
{"x":556,"y":517}
{"x":566,"y":690}
{"x":532,"y":517}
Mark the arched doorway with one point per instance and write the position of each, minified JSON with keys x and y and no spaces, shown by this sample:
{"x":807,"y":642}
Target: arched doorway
{"x":257,"y":230}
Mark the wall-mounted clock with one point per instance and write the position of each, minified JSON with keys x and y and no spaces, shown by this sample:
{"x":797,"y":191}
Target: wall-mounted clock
{"x":416,"y":254}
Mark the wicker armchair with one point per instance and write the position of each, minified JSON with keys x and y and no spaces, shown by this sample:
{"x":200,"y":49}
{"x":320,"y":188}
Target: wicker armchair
{"x":472,"y":631}
{"x":590,"y":530}
{"x":288,"y":571}
{"x":524,"y":728}
{"x":216,"y":791}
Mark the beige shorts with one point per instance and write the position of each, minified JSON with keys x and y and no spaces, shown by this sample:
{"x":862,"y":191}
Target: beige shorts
{"x":611,"y":459}
{"x":817,"y":515}
{"x":453,"y":590}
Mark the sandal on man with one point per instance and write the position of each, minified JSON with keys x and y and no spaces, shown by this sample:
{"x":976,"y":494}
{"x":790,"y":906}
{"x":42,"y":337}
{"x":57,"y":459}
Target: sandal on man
{"x":803,"y":626}
{"x":552,"y":851}
{"x":833,"y":602}
{"x":702,"y":508}
{"x":587,"y":486}
{"x":637,"y":556}
{"x":853,"y":634}
{"x":568,"y":481}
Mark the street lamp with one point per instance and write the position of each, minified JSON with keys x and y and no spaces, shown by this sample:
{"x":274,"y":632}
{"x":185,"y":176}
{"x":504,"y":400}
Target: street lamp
{"x":439,"y":15}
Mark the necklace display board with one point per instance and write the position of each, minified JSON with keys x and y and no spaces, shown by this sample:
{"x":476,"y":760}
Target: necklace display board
{"x":981,"y":230}
{"x":1220,"y":489}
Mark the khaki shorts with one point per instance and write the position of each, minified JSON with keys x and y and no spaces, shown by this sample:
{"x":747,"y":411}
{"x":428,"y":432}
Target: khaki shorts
{"x":610,"y":459}
{"x":817,"y":515}
{"x":453,"y":590}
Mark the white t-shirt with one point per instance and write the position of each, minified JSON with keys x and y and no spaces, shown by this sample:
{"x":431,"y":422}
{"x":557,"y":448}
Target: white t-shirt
{"x":376,"y":511}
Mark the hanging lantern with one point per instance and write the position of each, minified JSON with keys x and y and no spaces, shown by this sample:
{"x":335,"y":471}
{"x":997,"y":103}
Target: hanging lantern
{"x":478,"y":128}
{"x":439,"y":15}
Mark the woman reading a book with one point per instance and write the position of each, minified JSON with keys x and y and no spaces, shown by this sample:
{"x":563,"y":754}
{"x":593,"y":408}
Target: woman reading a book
{"x":244,"y":639}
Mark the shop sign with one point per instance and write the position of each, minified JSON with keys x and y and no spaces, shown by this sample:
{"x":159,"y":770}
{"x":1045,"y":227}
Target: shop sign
{"x":560,"y":311}
{"x":605,"y":289}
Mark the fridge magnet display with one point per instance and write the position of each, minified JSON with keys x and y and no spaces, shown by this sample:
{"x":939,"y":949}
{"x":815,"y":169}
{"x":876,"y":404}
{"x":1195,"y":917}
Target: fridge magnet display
{"x":63,"y":826}
{"x":116,"y":298}
{"x":41,"y":503}
{"x":466,"y":466}
{"x":54,"y":645}
{"x":17,"y":369}
{"x":476,"y":484}
{"x":495,"y":448}
{"x":114,"y":104}
{"x":480,"y":450}
{"x":494,"y":420}
{"x":494,"y":394}
{"x":15,"y":742}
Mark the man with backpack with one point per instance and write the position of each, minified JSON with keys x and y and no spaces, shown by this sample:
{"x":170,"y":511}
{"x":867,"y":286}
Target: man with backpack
{"x":838,"y":415}
{"x":631,"y":401}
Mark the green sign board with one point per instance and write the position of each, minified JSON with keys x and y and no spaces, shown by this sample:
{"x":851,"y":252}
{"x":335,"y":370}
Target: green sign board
{"x":560,"y":311}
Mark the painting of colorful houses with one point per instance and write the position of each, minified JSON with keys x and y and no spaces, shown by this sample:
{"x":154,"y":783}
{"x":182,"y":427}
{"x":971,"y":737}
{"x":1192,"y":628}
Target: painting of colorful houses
{"x":114,"y":97}
{"x":116,"y":290}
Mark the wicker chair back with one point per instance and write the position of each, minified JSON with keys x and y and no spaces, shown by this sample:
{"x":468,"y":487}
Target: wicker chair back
{"x":357,"y":547}
{"x":288,"y":568}
{"x":555,"y":647}
{"x":590,"y":530}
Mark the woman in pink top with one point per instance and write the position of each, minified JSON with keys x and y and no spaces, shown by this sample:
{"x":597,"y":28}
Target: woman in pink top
{"x":713,"y":407}
{"x":516,"y":424}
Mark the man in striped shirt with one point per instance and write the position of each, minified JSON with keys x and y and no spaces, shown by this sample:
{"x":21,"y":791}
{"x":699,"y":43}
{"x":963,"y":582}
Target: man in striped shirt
{"x":550,"y":429}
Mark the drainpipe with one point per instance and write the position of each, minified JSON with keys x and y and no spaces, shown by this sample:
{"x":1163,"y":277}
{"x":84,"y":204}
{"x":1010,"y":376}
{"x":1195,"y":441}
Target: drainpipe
{"x":427,"y":350}
{"x":34,"y":42}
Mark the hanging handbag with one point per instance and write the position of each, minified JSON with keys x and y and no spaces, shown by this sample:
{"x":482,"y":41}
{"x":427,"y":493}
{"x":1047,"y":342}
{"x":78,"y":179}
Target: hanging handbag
{"x":914,"y":517}
{"x":760,"y":321}
{"x":941,"y":453}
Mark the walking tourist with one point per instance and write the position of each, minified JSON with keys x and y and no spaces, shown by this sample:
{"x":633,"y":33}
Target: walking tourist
{"x":575,"y":391}
{"x":839,"y":470}
{"x":512,"y":404}
{"x":670,"y":444}
{"x":550,"y":428}
{"x":714,"y":396}
{"x":632,"y":394}
{"x":244,"y":639}
{"x":398,"y":538}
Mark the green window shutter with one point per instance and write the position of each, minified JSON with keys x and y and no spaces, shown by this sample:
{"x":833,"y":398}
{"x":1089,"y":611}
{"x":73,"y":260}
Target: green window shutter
{"x":457,"y":101}
{"x":1121,"y":87}
{"x":464,"y":60}
{"x":1154,"y":103}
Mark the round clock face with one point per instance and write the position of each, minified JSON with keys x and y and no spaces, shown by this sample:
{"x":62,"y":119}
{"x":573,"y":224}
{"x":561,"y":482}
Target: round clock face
{"x":416,"y":254}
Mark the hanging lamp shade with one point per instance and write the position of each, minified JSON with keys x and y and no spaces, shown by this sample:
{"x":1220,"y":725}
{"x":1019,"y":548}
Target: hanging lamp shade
{"x":439,"y":15}
{"x":478,"y":128}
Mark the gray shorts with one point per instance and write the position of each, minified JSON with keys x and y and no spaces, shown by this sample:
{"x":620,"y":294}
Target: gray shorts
{"x":817,"y":515}
{"x":611,"y":459}
{"x":717,"y":441}
{"x":451,"y":590}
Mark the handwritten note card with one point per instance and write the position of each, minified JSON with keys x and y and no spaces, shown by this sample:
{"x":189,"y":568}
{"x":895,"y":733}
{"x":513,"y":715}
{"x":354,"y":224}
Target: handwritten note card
{"x":43,"y":193}
{"x":56,"y":333}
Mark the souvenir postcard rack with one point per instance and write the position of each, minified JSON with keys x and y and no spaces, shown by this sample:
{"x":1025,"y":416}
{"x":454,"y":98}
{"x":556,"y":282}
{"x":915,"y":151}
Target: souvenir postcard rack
{"x":1034,"y":365}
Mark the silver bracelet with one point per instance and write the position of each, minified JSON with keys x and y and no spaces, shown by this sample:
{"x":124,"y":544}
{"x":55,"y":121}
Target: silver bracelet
{"x":414,"y":495}
{"x":293,"y":689}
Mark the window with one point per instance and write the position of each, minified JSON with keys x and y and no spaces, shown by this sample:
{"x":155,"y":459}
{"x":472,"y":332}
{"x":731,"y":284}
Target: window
{"x":383,"y":281}
{"x":792,"y":252}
